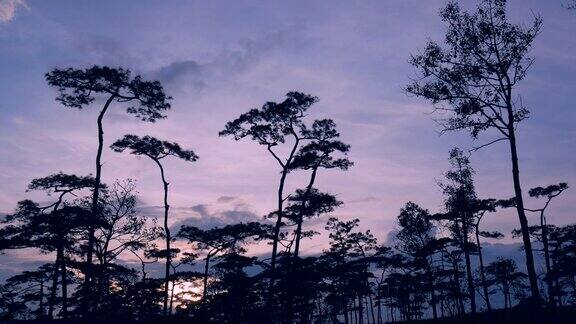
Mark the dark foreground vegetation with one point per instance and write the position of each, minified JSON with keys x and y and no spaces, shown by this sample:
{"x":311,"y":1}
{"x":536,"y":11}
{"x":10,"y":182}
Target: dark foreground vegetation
{"x":433,"y":267}
{"x":518,"y":315}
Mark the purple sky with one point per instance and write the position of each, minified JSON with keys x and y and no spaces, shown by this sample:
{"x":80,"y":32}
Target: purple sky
{"x":220,"y":58}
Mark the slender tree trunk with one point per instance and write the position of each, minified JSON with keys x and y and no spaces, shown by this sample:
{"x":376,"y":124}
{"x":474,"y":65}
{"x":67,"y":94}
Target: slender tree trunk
{"x":521,"y":213}
{"x":168,"y":239}
{"x":278,"y":225}
{"x":442,"y":300}
{"x":470,"y":279}
{"x":205,"y":283}
{"x":432,"y":289}
{"x":275,"y":240}
{"x":87,"y":286}
{"x":279,"y":218}
{"x":53,"y":289}
{"x":549,"y":282}
{"x":355,"y":311}
{"x":281,"y":203}
{"x":301,"y":216}
{"x":433,"y":302}
{"x":457,"y":287}
{"x":64,"y":285}
{"x":482,"y":273}
{"x":379,"y":311}
{"x":99,"y":280}
{"x":52,"y":298}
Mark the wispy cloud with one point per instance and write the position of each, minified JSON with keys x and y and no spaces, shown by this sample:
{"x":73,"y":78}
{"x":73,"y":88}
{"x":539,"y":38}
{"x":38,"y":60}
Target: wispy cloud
{"x":192,"y":75}
{"x":8,"y":9}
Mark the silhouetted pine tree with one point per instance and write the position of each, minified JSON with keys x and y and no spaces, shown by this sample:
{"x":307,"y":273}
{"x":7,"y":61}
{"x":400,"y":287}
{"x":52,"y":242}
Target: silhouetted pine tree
{"x":157,"y":150}
{"x":474,"y":78}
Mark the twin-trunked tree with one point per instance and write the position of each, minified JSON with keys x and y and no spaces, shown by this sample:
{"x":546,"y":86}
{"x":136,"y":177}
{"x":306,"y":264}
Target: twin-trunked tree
{"x":309,"y":148}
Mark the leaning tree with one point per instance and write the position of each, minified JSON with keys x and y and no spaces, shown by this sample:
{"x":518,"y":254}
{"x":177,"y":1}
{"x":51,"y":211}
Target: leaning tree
{"x":79,"y":88}
{"x":473,"y":80}
{"x":157,"y":150}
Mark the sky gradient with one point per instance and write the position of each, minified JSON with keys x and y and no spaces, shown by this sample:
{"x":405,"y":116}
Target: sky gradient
{"x":220,"y":58}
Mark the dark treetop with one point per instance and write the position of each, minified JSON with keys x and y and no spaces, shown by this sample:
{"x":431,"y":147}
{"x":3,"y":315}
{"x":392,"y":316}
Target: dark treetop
{"x":78,"y":88}
{"x":152,"y":147}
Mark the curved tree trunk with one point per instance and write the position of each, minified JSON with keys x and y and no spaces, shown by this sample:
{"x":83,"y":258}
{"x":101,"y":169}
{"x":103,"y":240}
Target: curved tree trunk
{"x":432,"y":289}
{"x":470,"y":283}
{"x":281,"y":203}
{"x":52,"y":298}
{"x":205,"y":283}
{"x":279,"y":215}
{"x":549,"y":282}
{"x":482,"y":274}
{"x":168,"y":239}
{"x":87,"y":286}
{"x":521,"y":213}
{"x":278,"y":225}
{"x":301,"y":217}
{"x":64,"y":286}
{"x":470,"y":279}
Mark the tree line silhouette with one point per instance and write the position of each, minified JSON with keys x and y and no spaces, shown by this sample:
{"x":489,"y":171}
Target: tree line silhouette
{"x":433,"y":265}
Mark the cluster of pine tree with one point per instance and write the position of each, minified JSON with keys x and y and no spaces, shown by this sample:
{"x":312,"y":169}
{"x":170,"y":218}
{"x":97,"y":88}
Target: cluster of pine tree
{"x":432,"y":265}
